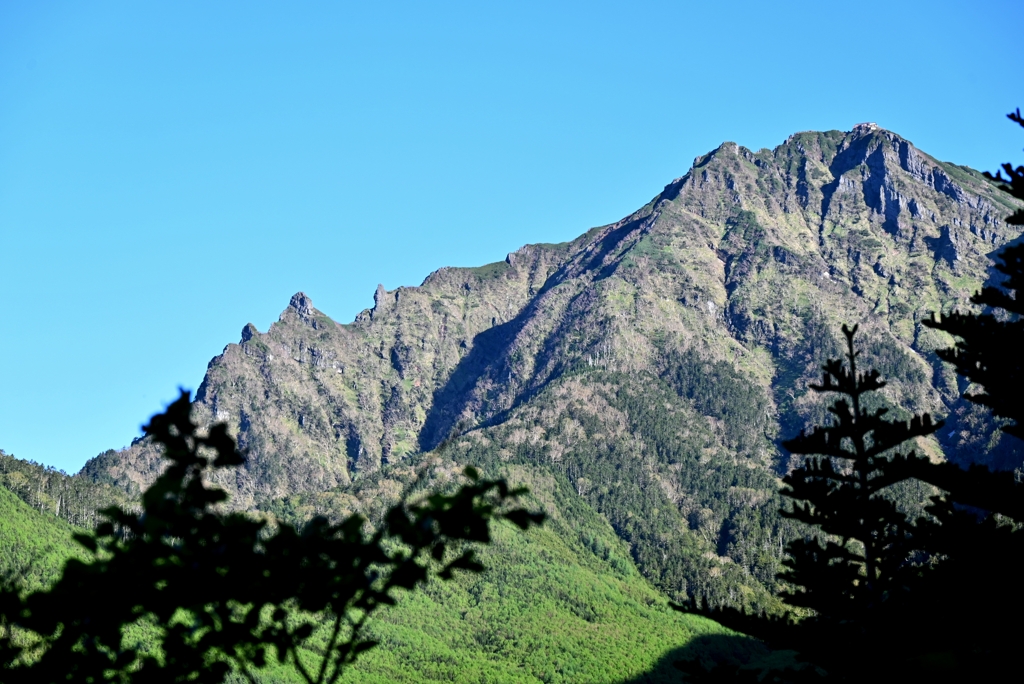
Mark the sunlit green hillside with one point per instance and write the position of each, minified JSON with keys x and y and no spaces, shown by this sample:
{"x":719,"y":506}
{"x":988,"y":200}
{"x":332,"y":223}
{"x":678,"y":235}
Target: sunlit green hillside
{"x":563,"y":603}
{"x":33,"y":544}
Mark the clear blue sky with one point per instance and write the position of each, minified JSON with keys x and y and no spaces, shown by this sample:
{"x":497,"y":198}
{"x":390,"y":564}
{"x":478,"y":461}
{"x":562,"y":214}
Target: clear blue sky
{"x":170,"y":171}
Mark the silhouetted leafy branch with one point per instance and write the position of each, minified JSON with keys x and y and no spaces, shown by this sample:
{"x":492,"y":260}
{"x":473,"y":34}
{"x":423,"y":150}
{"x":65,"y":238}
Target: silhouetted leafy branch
{"x":1013,"y":183}
{"x":213,"y":592}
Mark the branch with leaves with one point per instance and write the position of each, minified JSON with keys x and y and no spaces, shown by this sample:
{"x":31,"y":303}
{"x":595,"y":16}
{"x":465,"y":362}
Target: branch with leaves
{"x":221,"y":592}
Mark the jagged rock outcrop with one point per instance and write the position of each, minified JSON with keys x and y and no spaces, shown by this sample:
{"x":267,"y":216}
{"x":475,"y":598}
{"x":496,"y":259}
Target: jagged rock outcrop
{"x":248,"y":332}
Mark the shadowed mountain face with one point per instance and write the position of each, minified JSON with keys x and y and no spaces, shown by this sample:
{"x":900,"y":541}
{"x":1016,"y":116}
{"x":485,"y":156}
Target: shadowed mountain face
{"x":654,"y":363}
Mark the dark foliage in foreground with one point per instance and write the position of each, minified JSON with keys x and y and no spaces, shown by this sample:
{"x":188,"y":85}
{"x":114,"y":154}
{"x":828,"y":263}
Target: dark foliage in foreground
{"x":988,"y":351}
{"x":873,"y":591}
{"x":186,"y":592}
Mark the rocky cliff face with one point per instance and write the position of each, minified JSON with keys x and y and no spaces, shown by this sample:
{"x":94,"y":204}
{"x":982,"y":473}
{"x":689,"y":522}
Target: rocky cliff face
{"x":626,"y":345}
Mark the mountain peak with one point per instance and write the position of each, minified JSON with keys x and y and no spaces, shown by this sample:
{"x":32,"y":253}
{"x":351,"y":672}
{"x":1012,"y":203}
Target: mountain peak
{"x":866,"y":127}
{"x":249,"y":332}
{"x":301,"y":303}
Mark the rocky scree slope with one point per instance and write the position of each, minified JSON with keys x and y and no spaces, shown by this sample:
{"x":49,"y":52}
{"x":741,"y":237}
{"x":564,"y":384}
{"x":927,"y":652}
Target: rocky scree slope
{"x":653,"y":363}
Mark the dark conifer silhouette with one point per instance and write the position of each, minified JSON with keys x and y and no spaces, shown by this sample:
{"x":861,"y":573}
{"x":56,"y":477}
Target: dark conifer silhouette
{"x":186,"y":592}
{"x":885,"y":597}
{"x":851,"y":575}
{"x":840,"y":492}
{"x":990,"y":347}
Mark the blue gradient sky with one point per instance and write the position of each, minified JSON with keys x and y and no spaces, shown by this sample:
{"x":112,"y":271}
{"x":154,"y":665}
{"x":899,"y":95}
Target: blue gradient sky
{"x":172,"y":171}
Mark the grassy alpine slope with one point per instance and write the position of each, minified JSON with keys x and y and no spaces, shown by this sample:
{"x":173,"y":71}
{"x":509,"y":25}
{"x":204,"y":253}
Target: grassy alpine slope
{"x":654,"y":362}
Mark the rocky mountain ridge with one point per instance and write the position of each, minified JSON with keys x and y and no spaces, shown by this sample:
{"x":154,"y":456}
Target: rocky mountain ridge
{"x":642,"y":360}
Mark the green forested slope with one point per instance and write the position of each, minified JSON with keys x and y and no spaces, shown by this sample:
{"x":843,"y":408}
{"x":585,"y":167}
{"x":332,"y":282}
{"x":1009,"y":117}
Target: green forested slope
{"x":700,"y":519}
{"x":33,"y":544}
{"x":563,"y":603}
{"x":537,"y":615}
{"x":72,"y":498}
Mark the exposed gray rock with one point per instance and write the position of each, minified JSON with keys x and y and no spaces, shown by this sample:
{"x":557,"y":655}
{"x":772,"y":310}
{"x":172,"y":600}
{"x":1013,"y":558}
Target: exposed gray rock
{"x":302,"y":304}
{"x":248,"y":332}
{"x":947,"y":246}
{"x":381,"y":301}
